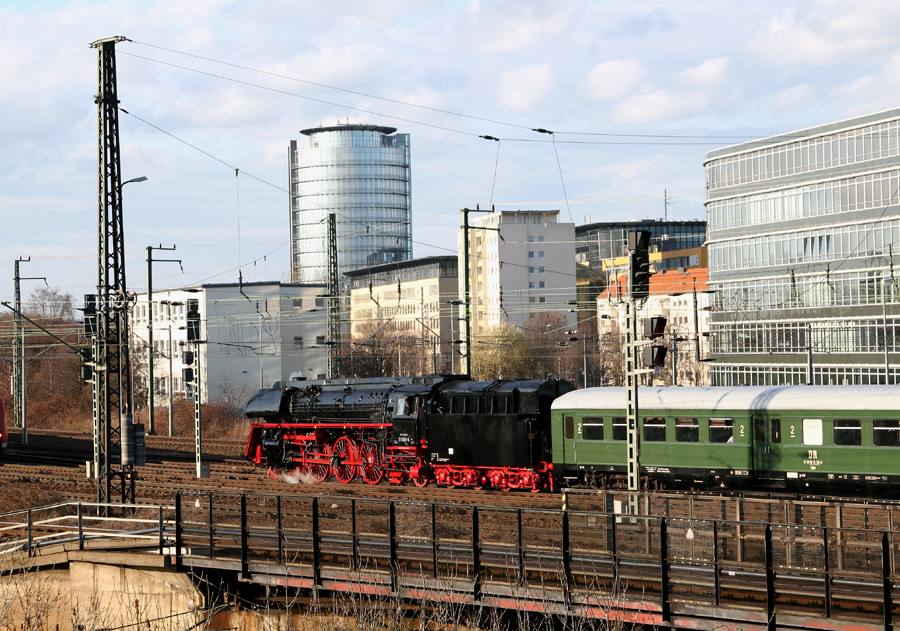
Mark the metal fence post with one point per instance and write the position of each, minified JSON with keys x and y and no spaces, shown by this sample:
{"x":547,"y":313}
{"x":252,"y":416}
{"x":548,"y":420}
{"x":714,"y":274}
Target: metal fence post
{"x":178,"y":532}
{"x":886,"y":572}
{"x":521,"y":580}
{"x":392,"y":525}
{"x":827,"y":573}
{"x":314,"y":508}
{"x":161,"y":532}
{"x":28,"y":524}
{"x":80,"y":529}
{"x":770,"y":580}
{"x":566,"y":561}
{"x":717,"y":579}
{"x":280,"y":531}
{"x":354,"y":560}
{"x":244,"y":570}
{"x":211,"y":530}
{"x":476,"y":557}
{"x":664,"y":568}
{"x":434,"y":543}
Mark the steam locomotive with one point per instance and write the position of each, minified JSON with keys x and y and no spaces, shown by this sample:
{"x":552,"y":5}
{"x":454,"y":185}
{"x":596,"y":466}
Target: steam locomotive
{"x":443,"y":429}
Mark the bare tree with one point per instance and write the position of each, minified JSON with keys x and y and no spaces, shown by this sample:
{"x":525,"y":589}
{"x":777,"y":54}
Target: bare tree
{"x":51,"y":302}
{"x":501,"y":352}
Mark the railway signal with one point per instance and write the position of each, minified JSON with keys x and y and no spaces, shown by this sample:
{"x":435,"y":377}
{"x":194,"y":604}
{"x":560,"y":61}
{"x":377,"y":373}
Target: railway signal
{"x":639,"y":264}
{"x":193,"y":320}
{"x":654,"y":328}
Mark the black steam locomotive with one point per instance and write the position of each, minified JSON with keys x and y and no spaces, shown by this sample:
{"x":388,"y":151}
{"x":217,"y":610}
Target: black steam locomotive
{"x":448,"y":430}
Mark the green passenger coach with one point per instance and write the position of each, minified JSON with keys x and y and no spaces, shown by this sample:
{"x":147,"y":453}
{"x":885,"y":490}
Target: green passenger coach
{"x":825,"y":439}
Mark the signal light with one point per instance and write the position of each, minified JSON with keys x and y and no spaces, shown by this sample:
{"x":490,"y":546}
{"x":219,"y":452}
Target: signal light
{"x":639,"y":264}
{"x":86,"y":370}
{"x":655,"y":355}
{"x":193,"y":320}
{"x":187,"y":374}
{"x":90,"y":315}
{"x":187,"y":358}
{"x":654,"y":327}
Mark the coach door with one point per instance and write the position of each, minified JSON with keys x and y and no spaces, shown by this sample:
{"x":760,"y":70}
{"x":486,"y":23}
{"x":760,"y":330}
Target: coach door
{"x":766,"y":446}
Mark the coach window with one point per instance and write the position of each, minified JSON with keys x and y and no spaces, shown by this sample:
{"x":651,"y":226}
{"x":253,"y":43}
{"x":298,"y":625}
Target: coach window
{"x":759,"y":429}
{"x":721,"y":430}
{"x":619,"y":428}
{"x":812,"y":431}
{"x":654,"y":429}
{"x":886,"y":433}
{"x":847,"y":432}
{"x":687,"y":430}
{"x":592,"y":428}
{"x":570,"y":427}
{"x":776,"y":430}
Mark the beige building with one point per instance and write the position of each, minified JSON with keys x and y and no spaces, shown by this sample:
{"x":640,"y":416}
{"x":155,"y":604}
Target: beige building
{"x":402,"y":319}
{"x":521,"y":263}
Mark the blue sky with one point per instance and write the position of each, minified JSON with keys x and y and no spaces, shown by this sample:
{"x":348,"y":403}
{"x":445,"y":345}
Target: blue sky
{"x":637,"y":93}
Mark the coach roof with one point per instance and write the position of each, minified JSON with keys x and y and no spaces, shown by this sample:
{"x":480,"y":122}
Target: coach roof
{"x":753,"y":398}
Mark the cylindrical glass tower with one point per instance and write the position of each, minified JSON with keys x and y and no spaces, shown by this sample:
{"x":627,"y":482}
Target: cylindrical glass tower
{"x":360,"y":173}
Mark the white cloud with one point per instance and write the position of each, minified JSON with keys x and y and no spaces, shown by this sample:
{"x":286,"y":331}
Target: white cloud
{"x":613,"y":79}
{"x":791,"y":99}
{"x":710,"y":73}
{"x":499,"y":27}
{"x":522,"y":88}
{"x":829,"y":32}
{"x":658,"y":105}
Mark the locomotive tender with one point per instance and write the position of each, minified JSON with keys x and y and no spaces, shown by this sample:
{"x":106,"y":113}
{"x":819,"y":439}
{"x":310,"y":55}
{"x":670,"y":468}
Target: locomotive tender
{"x":445,"y":429}
{"x":833,"y":439}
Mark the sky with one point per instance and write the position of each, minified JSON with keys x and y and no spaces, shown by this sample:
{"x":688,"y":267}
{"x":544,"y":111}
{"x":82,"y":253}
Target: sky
{"x":635,"y":92}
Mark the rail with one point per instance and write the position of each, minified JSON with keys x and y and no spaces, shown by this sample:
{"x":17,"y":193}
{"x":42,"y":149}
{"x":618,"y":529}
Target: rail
{"x":644,"y":569}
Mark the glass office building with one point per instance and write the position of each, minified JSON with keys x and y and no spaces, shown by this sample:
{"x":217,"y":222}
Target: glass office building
{"x":362,"y":174}
{"x":804,"y":229}
{"x":598,"y":242}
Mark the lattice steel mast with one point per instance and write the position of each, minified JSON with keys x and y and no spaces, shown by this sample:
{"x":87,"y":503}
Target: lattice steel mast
{"x":334,"y":317}
{"x":112,"y":376}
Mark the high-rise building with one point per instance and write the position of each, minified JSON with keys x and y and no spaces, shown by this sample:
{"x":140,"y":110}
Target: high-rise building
{"x":362,"y":174}
{"x":804,"y":233}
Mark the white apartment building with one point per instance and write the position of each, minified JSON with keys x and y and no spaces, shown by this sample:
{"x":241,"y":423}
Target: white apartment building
{"x":254,"y":335}
{"x":521,"y":263}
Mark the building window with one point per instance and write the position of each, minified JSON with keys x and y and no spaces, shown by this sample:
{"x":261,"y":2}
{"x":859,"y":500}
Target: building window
{"x":530,"y":298}
{"x":320,"y":340}
{"x":540,"y":239}
{"x":531,"y":270}
{"x":542,"y":299}
{"x":298,"y":341}
{"x":298,"y":303}
{"x":531,"y":284}
{"x":540,"y":254}
{"x":530,"y":239}
{"x":531,"y":254}
{"x":540,"y":270}
{"x":540,"y":284}
{"x":320,"y":302}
